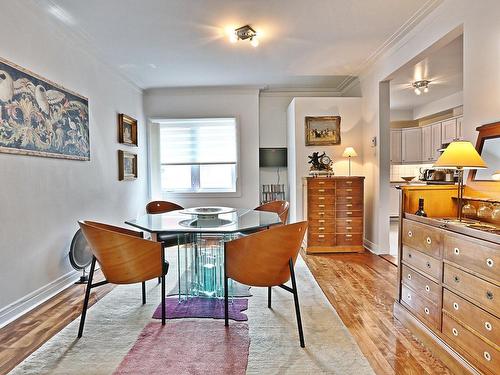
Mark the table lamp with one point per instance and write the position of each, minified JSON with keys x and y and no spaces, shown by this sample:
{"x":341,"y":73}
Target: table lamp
{"x":349,"y":153}
{"x":460,"y":155}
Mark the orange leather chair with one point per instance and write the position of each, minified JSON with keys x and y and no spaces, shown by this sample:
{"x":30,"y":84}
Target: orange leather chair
{"x":279,"y":207}
{"x":265,"y":259}
{"x":125,"y":258}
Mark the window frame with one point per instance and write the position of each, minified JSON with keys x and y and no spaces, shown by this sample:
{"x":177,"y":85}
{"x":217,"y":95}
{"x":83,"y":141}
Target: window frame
{"x":205,"y":193}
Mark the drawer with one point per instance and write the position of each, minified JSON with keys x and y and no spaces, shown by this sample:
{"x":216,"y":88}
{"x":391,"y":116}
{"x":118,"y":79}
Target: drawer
{"x":485,"y":356}
{"x":317,"y":229}
{"x":320,"y":239}
{"x":354,"y":199}
{"x":485,"y":324}
{"x":321,"y":199}
{"x":318,"y":213}
{"x":349,"y":239}
{"x":349,"y":206}
{"x":482,"y":292}
{"x":321,"y":191}
{"x":349,"y":192}
{"x":349,"y":183}
{"x":420,"y":306}
{"x":421,"y":284}
{"x":319,"y":206}
{"x":350,"y":213}
{"x":321,"y":222}
{"x":476,"y":255}
{"x":422,"y":237}
{"x":316,"y":183}
{"x":428,"y":265}
{"x":349,"y":225}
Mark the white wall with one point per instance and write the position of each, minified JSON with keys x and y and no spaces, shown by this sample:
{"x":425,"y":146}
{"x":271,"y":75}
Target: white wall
{"x":241,"y":103}
{"x":41,"y":199}
{"x":481,"y":95}
{"x":351,"y":135}
{"x":440,"y":105}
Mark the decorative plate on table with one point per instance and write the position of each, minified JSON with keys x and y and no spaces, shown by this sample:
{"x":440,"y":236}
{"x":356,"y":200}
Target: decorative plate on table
{"x":208,"y":212}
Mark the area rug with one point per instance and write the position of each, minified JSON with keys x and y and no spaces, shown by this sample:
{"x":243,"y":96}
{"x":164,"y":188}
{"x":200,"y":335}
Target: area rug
{"x":238,"y":290}
{"x":188,"y":347}
{"x":198,"y":307}
{"x":116,"y":321}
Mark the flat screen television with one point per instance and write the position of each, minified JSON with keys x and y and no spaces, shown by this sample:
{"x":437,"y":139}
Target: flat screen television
{"x":273,"y":157}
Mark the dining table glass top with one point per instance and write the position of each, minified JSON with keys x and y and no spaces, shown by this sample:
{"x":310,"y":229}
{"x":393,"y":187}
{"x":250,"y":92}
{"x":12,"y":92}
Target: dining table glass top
{"x":178,"y":222}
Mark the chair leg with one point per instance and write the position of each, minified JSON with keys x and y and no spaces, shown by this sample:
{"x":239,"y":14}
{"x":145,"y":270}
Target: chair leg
{"x":86,"y":299}
{"x":163,"y":314}
{"x":226,"y":301}
{"x":296,"y":300}
{"x":269,"y":297}
{"x":143,"y":292}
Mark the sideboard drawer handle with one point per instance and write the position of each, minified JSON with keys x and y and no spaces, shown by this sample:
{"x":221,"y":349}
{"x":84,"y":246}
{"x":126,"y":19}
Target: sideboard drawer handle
{"x":488,"y":326}
{"x":409,"y":276}
{"x":321,"y":221}
{"x":348,"y":182}
{"x":348,"y":235}
{"x":321,"y":198}
{"x":428,"y":264}
{"x":321,"y":228}
{"x":348,"y":213}
{"x":321,"y":213}
{"x":321,"y":182}
{"x":410,"y":233}
{"x":348,"y":228}
{"x":456,"y":251}
{"x":348,"y":197}
{"x":487,"y":356}
{"x":321,"y":205}
{"x":489,"y":295}
{"x":489,"y":262}
{"x":349,"y":205}
{"x":321,"y":236}
{"x":427,"y":289}
{"x":455,"y":305}
{"x":429,"y":241}
{"x":454,"y":331}
{"x":348,"y":221}
{"x":348,"y":190}
{"x":456,"y":279}
{"x":426,"y":310}
{"x":321,"y":190}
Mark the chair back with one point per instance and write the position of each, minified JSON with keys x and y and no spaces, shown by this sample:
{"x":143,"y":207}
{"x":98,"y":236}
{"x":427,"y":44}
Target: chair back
{"x":124,"y":256}
{"x":262,"y":258}
{"x":279,"y":207}
{"x":160,"y":207}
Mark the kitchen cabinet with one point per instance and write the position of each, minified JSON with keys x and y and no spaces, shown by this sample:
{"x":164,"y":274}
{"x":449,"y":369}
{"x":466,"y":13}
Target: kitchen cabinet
{"x":437,"y":141}
{"x":452,"y":130}
{"x":411,"y":140}
{"x":395,"y":146}
{"x":427,"y":144}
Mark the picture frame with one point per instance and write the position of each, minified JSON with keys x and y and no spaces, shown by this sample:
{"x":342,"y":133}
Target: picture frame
{"x":322,"y":130}
{"x":127,"y":130}
{"x":127,"y":165}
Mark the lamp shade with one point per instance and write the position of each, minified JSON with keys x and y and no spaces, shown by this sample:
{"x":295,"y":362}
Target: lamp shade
{"x":349,"y":152}
{"x":460,"y":154}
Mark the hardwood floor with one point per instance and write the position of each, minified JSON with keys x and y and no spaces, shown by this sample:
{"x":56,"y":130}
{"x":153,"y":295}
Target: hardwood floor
{"x":361,"y":287}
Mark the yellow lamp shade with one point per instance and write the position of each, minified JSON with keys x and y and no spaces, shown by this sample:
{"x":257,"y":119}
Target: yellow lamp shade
{"x":349,"y":152}
{"x":462,"y":155}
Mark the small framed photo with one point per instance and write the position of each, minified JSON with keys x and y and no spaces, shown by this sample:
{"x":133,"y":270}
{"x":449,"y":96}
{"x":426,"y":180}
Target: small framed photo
{"x":322,"y":130}
{"x":127,"y":165}
{"x":127,"y":130}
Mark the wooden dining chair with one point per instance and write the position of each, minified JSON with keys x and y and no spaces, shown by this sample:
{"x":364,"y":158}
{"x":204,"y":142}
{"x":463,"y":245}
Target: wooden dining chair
{"x":279,"y":207}
{"x":161,"y":207}
{"x":125,"y":258}
{"x":265,"y":259}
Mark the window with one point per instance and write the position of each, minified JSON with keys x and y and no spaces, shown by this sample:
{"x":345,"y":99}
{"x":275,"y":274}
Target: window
{"x":198,"y":155}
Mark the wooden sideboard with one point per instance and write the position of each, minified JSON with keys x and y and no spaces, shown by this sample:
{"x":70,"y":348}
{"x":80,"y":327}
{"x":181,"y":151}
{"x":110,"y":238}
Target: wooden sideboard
{"x":334,"y":207}
{"x":449,"y":285}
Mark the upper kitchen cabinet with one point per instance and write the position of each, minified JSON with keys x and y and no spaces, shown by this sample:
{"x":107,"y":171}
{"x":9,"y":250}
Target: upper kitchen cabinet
{"x":451,"y":130}
{"x":427,"y":144}
{"x":437,"y":140}
{"x":396,"y":146}
{"x":411,"y":145}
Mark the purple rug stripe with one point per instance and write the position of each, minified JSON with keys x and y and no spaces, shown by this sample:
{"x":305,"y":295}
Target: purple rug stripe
{"x":197,"y":307}
{"x":188,"y":347}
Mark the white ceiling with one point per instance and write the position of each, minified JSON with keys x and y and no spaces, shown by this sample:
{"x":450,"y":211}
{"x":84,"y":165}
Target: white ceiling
{"x":173,"y":43}
{"x":444,"y":68}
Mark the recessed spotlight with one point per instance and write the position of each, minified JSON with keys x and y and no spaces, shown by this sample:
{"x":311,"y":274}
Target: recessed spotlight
{"x":420,"y":86}
{"x":244,"y":33}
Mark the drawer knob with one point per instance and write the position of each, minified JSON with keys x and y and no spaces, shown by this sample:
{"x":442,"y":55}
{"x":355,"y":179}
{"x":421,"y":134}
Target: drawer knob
{"x":489,"y":262}
{"x":348,"y":197}
{"x":321,"y":190}
{"x":456,"y":251}
{"x":455,"y":305}
{"x":321,"y":213}
{"x":321,"y":182}
{"x":409,"y":297}
{"x":489,"y":295}
{"x":348,"y":205}
{"x":428,"y":240}
{"x":321,"y":236}
{"x":321,"y":228}
{"x":427,"y":289}
{"x":348,"y":221}
{"x":321,"y":205}
{"x":428,"y":264}
{"x":348,"y":213}
{"x":426,"y":310}
{"x":487,"y":356}
{"x":348,"y":190}
{"x":409,"y":277}
{"x":456,"y":279}
{"x":321,"y":198}
{"x":488,"y":326}
{"x":410,"y":233}
{"x":348,"y":182}
{"x":321,"y":221}
{"x":348,"y":235}
{"x":348,"y":228}
{"x":454,"y":331}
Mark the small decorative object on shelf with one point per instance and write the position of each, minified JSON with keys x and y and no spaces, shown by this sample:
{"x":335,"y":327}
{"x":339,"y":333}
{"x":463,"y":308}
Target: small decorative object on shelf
{"x":320,"y":164}
{"x":272,"y":192}
{"x":420,"y":211}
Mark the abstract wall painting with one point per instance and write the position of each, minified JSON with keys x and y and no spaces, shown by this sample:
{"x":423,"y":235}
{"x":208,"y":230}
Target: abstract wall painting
{"x":41,"y":118}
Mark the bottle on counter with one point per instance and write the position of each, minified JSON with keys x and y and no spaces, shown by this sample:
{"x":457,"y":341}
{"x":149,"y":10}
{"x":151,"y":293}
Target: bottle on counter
{"x":420,"y":211}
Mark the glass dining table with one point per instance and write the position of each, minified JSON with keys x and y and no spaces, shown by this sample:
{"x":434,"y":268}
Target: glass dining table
{"x":200,"y":244}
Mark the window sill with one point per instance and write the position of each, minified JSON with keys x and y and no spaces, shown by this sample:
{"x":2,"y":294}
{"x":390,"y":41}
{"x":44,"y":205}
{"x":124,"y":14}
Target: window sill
{"x":234,"y":194}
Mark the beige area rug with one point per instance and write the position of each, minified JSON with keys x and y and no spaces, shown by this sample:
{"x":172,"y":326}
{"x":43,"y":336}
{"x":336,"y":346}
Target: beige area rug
{"x":115,"y":322}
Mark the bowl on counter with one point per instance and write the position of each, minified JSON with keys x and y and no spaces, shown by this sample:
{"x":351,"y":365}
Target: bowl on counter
{"x":408,"y":178}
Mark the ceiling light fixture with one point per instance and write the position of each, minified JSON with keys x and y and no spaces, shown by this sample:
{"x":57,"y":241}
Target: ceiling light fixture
{"x":420,"y":86}
{"x":244,"y":33}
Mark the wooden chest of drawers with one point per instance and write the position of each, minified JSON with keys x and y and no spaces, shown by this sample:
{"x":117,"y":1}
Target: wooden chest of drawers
{"x":334,"y":207}
{"x":450,"y":282}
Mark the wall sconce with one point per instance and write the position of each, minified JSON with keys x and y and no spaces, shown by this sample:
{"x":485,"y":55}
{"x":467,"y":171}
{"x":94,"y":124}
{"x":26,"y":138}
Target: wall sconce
{"x":420,"y":86}
{"x":244,"y":33}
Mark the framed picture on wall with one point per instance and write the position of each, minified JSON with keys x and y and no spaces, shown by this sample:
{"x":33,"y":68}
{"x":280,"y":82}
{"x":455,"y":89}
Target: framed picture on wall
{"x":127,"y":130}
{"x":322,"y":130}
{"x":127,"y":165}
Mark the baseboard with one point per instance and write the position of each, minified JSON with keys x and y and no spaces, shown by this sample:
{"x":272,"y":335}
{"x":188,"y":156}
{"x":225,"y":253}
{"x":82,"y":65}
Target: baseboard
{"x":370,"y":246}
{"x":32,"y":300}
